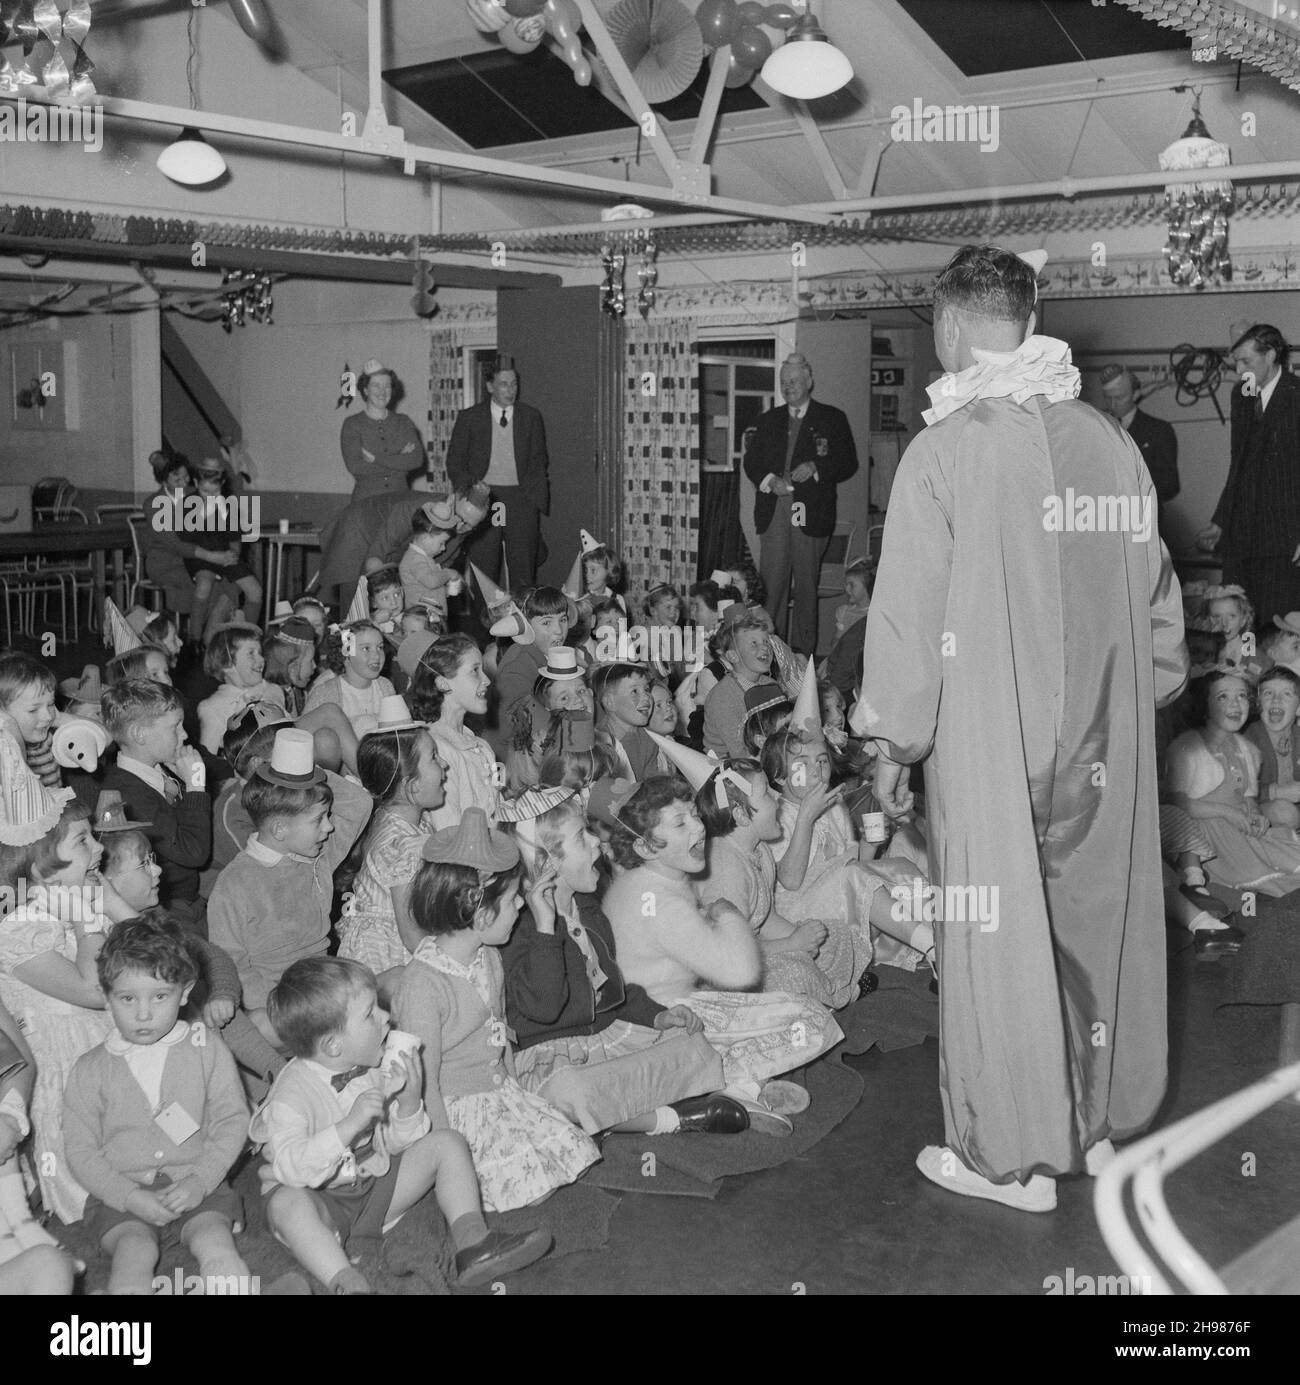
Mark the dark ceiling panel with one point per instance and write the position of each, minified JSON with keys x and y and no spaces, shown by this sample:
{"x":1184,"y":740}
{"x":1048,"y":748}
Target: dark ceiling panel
{"x":497,"y":98}
{"x":988,"y":36}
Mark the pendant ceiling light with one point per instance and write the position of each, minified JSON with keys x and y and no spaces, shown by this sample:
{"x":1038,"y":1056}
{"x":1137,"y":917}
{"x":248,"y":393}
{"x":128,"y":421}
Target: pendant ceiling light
{"x":1196,"y":214}
{"x":807,"y":65}
{"x":189,"y":159}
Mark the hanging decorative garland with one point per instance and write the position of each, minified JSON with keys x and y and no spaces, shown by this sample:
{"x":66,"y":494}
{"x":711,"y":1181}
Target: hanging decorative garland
{"x":248,"y":295}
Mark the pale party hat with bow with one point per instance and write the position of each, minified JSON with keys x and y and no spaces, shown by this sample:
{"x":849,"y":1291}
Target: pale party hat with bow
{"x":360,"y":607}
{"x":698,"y":769}
{"x":807,"y":714}
{"x":589,"y":544}
{"x":28,"y":810}
{"x":116,"y":630}
{"x":492,"y":594}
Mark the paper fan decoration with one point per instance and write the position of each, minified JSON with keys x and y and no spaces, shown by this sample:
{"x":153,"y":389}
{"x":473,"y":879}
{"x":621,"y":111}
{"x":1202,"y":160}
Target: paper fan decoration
{"x":662,"y":44}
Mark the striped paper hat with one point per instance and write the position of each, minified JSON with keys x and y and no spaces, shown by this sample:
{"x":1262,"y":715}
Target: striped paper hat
{"x":28,"y":810}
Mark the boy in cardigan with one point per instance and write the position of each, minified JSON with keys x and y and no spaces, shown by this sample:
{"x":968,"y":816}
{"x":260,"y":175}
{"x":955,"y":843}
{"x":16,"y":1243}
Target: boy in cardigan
{"x":341,"y":1161}
{"x":623,"y":707}
{"x":154,"y":1118}
{"x":271,"y":905}
{"x":162,"y":782}
{"x":424,"y":580}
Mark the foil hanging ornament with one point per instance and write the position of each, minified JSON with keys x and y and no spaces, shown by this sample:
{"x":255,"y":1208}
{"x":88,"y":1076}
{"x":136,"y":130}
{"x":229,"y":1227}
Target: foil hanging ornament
{"x":648,"y":275}
{"x":81,"y":90}
{"x":618,"y":300}
{"x":28,"y":32}
{"x":347,"y":387}
{"x":607,"y":288}
{"x":76,"y":22}
{"x":55,"y":77}
{"x":46,"y":16}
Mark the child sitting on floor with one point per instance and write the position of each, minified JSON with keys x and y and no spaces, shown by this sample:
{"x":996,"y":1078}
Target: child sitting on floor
{"x":844,"y":662}
{"x":602,"y":575}
{"x":31,"y":1262}
{"x":347,"y":1139}
{"x":591,"y":1044}
{"x":271,"y":905}
{"x":154,"y":1119}
{"x":235,"y":659}
{"x":1230,"y":609}
{"x":547,"y":612}
{"x":465,"y":900}
{"x":355,"y":655}
{"x":164,"y":630}
{"x":1274,"y":736}
{"x":148,"y":661}
{"x":403,"y":772}
{"x":385,"y":600}
{"x":313,"y":612}
{"x":679,"y":951}
{"x":27,"y":696}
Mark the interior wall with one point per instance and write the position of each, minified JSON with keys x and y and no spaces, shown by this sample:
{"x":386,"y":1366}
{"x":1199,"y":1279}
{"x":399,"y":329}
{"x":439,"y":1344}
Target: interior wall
{"x":98,"y":451}
{"x":1101,"y":330}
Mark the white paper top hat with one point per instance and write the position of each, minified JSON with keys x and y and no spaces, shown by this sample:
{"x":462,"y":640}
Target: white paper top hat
{"x":28,"y":810}
{"x":492,"y":594}
{"x":395,"y":715}
{"x":79,"y":743}
{"x":119,"y":633}
{"x":807,"y":714}
{"x":720,"y":578}
{"x":561,"y":664}
{"x":589,"y":545}
{"x":293,"y":760}
{"x":360,"y":607}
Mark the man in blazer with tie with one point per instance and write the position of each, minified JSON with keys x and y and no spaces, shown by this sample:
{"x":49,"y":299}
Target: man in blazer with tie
{"x":801,"y":451}
{"x":1154,"y":436}
{"x":503,"y":444}
{"x":1257,"y":521}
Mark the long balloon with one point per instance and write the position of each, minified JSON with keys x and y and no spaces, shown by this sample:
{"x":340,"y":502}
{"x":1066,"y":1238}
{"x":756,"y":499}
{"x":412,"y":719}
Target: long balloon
{"x":254,"y":19}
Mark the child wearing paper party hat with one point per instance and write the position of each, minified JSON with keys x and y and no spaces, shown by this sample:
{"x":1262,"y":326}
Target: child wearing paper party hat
{"x":424,"y":581}
{"x":466,"y":899}
{"x":48,"y":947}
{"x":820,"y":959}
{"x":355,"y":654}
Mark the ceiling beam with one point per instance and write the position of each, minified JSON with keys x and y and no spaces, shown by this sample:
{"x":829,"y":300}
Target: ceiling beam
{"x":300,"y":264}
{"x":708,"y":116}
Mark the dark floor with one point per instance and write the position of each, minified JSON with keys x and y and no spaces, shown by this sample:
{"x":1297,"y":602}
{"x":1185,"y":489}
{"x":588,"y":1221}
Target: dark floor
{"x":854,"y":1215}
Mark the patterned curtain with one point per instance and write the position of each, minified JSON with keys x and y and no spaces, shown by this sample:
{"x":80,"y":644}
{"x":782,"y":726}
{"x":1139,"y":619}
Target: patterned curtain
{"x":446,"y":399}
{"x":661,"y":454}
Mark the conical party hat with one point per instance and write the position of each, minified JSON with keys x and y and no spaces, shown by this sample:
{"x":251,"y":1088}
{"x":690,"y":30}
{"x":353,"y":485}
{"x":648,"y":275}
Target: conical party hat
{"x":807,"y":714}
{"x":573,"y":583}
{"x":513,"y":624}
{"x":360,"y":607}
{"x":698,"y":769}
{"x":119,"y":633}
{"x":492,"y":594}
{"x":589,"y":545}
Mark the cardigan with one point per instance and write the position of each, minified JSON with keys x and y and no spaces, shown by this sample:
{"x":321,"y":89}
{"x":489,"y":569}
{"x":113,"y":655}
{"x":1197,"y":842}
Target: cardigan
{"x":180,"y":834}
{"x":466,"y":1044}
{"x":113,"y":1145}
{"x":548,"y":994}
{"x":269,"y":914}
{"x":297,"y":1128}
{"x":231,"y":829}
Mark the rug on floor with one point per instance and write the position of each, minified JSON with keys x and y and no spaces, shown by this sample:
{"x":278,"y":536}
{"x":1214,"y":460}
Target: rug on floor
{"x":415,"y":1257}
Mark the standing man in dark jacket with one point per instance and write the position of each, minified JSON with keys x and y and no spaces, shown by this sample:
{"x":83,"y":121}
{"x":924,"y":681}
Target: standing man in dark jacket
{"x":1257,"y":521}
{"x":503,"y":444}
{"x":1155,"y":438}
{"x":800,"y":453}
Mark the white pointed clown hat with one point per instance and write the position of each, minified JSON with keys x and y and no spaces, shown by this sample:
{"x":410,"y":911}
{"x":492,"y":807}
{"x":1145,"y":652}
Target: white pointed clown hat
{"x":360,"y":607}
{"x":573,"y":583}
{"x":28,"y":810}
{"x":807,"y":714}
{"x":513,"y":625}
{"x":1035,"y":259}
{"x":698,"y":769}
{"x":492,"y":594}
{"x":589,"y":544}
{"x":116,"y":630}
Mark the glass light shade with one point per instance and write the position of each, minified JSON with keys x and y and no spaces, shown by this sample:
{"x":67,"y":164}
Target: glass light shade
{"x":191,"y":160}
{"x":807,"y":65}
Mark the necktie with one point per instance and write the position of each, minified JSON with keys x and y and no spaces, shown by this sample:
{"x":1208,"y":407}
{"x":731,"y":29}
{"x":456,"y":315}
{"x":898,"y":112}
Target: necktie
{"x":341,"y":1079}
{"x":1258,"y":407}
{"x":171,"y":787}
{"x":505,"y":418}
{"x":791,"y":439}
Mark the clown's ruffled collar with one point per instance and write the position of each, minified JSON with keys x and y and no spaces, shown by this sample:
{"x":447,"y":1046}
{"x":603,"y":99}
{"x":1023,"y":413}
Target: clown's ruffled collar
{"x":1039,"y":366}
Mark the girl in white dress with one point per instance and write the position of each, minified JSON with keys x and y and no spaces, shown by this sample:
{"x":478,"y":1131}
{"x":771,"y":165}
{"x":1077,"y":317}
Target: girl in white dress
{"x":354,"y":653}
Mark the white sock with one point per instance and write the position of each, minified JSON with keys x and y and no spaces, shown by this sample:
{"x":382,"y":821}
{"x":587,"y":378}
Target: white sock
{"x":1206,"y":923}
{"x":14,"y":1209}
{"x":1193,"y":875}
{"x":667,"y":1121}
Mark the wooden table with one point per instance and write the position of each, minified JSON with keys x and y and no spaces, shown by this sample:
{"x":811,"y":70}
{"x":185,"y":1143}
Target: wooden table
{"x":106,"y":543}
{"x":304,"y":538}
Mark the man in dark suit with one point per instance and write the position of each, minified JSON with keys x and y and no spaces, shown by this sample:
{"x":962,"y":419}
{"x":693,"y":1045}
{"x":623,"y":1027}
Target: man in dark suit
{"x":503,"y":444}
{"x":800,"y":453}
{"x":1153,"y":435}
{"x":1257,"y":521}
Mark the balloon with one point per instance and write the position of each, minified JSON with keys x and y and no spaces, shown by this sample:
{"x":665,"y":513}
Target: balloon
{"x":751,"y":47}
{"x":751,"y":13}
{"x":513,"y":39}
{"x":738,"y":75}
{"x":780,"y":16}
{"x":253,"y":19}
{"x":531,"y":30}
{"x":563,"y":18}
{"x":489,"y":16}
{"x":524,"y":9}
{"x":582,"y":72}
{"x":717,"y":21}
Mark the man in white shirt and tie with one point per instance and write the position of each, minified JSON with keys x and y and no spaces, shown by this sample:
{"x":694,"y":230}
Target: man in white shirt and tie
{"x":502,"y":443}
